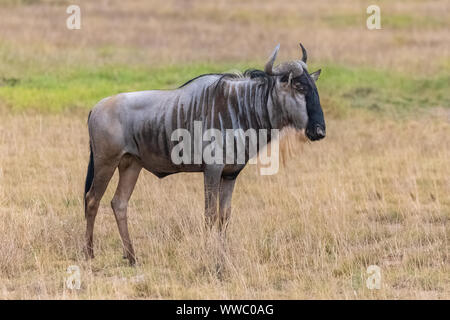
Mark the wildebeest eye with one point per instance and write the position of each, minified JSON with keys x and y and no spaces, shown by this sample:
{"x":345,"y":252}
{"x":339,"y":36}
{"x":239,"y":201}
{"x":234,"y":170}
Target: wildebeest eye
{"x":300,"y":87}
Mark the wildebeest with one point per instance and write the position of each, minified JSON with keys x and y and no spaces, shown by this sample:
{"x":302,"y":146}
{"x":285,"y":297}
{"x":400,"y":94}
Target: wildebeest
{"x":131,"y":131}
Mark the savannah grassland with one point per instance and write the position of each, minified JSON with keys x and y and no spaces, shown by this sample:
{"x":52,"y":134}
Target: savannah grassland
{"x":376,"y":191}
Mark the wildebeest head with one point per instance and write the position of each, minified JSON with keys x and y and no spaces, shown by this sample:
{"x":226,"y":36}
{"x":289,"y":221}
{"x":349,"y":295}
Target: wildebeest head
{"x":297,"y":94}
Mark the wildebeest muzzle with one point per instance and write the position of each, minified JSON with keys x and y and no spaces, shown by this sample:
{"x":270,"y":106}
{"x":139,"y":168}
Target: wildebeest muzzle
{"x":315,"y":132}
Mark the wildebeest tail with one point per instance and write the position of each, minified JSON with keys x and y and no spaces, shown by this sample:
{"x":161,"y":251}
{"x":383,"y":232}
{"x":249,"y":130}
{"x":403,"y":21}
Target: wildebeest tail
{"x":89,"y":175}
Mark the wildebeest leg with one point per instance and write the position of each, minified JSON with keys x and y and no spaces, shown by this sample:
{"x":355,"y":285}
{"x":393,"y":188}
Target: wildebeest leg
{"x":225,"y":194}
{"x":102,"y":175}
{"x":129,"y":170}
{"x":211,"y":184}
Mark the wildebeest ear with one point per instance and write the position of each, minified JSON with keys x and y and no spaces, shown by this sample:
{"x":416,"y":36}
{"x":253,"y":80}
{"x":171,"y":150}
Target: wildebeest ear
{"x":315,"y":75}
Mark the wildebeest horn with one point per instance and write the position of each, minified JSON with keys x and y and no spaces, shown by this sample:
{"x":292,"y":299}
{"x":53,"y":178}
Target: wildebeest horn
{"x":269,"y":65}
{"x":283,"y":68}
{"x":304,"y":54}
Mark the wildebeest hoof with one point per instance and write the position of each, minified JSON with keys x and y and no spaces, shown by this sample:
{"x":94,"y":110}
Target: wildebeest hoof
{"x":89,"y":254}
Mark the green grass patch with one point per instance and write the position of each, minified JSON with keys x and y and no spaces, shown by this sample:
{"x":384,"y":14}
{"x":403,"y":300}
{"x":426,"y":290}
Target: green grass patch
{"x":345,"y":88}
{"x":338,"y":20}
{"x":341,"y":88}
{"x":404,"y":21}
{"x":388,"y":20}
{"x":85,"y":87}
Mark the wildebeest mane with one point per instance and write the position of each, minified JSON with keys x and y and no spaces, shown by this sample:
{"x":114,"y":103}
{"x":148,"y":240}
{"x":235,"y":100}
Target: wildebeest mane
{"x":267,"y":82}
{"x":200,"y":76}
{"x":249,"y":73}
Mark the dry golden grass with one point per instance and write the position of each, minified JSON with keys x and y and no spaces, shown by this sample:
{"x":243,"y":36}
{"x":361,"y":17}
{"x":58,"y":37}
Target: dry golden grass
{"x":370,"y":193}
{"x":415,"y":35}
